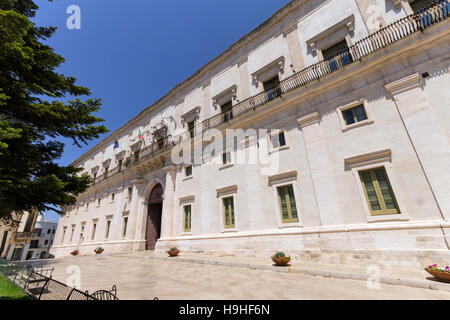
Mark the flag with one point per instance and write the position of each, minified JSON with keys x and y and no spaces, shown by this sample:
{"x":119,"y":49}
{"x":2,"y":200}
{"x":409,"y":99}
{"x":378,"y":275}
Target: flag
{"x":116,"y":144}
{"x":140,"y":135}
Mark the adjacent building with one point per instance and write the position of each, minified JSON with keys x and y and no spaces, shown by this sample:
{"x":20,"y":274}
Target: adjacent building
{"x":324,"y":133}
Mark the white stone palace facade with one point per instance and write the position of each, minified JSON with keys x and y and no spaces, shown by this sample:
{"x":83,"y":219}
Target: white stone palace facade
{"x":346,"y":105}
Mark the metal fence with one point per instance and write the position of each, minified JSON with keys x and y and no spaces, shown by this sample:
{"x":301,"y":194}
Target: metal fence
{"x":398,"y":30}
{"x":38,"y":284}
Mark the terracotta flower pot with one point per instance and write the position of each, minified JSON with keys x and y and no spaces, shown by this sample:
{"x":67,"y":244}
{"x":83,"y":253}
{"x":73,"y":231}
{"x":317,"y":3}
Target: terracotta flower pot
{"x":282,"y":262}
{"x":442,"y":276}
{"x":173,"y":253}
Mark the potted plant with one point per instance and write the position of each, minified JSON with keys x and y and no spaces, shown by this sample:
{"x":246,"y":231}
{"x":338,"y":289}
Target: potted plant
{"x":281,"y":259}
{"x":75,"y":252}
{"x":439,"y":272}
{"x":173,"y":252}
{"x":99,"y":250}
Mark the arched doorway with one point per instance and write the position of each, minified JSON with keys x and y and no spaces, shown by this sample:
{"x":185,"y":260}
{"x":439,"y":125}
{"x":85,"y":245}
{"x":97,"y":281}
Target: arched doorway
{"x":153,"y":231}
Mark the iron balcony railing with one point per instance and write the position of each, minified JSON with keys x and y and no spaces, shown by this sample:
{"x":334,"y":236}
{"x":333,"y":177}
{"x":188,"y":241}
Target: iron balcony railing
{"x":139,"y":157}
{"x":398,"y":30}
{"x":382,"y":38}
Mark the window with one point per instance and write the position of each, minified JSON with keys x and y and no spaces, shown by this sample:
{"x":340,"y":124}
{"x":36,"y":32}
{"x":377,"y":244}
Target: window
{"x":46,"y":242}
{"x":87,"y":205}
{"x":82,"y":234}
{"x":48,"y":231}
{"x":71,"y":234}
{"x":378,"y":192}
{"x":34,"y":244}
{"x":113,"y":196}
{"x":108,"y":227}
{"x":130,"y":192}
{"x":94,"y":228}
{"x":124,"y":227}
{"x":227,"y":110}
{"x":278,"y":140}
{"x":355,"y":114}
{"x":188,"y":171}
{"x":334,"y":49}
{"x":228,"y":209}
{"x":136,"y":156}
{"x":191,"y":128}
{"x":416,"y":5}
{"x":98,"y":202}
{"x":64,"y":234}
{"x":272,"y":87}
{"x":119,"y":164}
{"x":226,"y":157}
{"x":288,"y":207}
{"x":187,"y":218}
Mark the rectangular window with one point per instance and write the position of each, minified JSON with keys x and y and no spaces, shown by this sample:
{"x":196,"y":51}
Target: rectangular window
{"x":272,"y":83}
{"x":187,"y":218}
{"x":99,"y":201}
{"x":71,"y":235}
{"x":227,"y":110}
{"x":94,"y":228}
{"x":108,"y":227}
{"x":334,"y":49}
{"x":378,"y":191}
{"x":355,"y":114}
{"x":113,"y":195}
{"x":288,"y":207}
{"x":87,"y":205}
{"x":188,"y":171}
{"x":416,"y":5}
{"x":130,"y":192}
{"x":64,"y":234}
{"x":124,"y":227}
{"x":119,"y":164}
{"x":278,"y":140}
{"x":228,"y":209}
{"x":226,"y":157}
{"x":82,"y":234}
{"x":191,"y":128}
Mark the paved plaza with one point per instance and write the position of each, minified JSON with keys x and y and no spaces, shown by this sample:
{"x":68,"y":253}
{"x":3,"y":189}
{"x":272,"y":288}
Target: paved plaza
{"x":141,"y":276}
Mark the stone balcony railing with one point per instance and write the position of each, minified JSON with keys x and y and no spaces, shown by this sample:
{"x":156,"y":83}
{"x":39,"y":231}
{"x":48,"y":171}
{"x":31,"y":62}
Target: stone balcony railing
{"x":382,"y":38}
{"x":22,"y":237}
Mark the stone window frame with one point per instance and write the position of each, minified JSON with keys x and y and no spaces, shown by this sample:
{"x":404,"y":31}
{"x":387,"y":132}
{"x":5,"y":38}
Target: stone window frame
{"x":94,"y":229}
{"x":192,"y":115}
{"x":63,"y":234}
{"x":405,"y":5}
{"x":373,"y":160}
{"x":272,"y":133}
{"x":107,"y":235}
{"x":229,"y":164}
{"x":283,"y":180}
{"x":225,"y":96}
{"x":191,"y":176}
{"x":124,"y":227}
{"x":344,"y":29}
{"x":344,"y":126}
{"x":268,"y":72}
{"x":222,"y":193}
{"x":186,"y":201}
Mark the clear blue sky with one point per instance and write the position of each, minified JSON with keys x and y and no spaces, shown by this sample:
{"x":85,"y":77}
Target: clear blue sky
{"x":131,"y":53}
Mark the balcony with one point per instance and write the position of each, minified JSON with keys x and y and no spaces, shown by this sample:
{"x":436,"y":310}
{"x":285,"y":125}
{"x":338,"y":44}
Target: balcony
{"x":394,"y":32}
{"x":22,"y":237}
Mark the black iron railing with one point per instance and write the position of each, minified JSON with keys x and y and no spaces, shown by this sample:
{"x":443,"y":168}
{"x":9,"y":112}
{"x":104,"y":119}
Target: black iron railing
{"x":398,"y":30}
{"x":38,"y":284}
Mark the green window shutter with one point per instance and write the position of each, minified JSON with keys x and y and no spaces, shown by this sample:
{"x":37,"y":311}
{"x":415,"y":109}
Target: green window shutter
{"x":288,"y":206}
{"x":187,"y":218}
{"x":228,"y":205}
{"x":378,"y":191}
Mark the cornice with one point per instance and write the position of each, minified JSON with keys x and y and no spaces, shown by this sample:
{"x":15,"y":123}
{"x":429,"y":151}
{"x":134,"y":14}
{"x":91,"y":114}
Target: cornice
{"x":405,"y":84}
{"x":309,"y":119}
{"x":276,"y":18}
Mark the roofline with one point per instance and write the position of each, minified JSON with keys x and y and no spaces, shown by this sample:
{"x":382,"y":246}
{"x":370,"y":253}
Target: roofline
{"x":234,"y":47}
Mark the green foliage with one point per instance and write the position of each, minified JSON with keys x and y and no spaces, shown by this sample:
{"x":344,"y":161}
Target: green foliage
{"x":280,"y":254}
{"x":9,"y":291}
{"x":34,"y":115}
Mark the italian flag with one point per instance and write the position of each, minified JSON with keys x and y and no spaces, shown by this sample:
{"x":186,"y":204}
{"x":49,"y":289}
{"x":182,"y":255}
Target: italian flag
{"x":140,"y":135}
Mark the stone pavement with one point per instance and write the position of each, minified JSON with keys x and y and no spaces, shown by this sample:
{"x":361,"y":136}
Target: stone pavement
{"x":145,"y":275}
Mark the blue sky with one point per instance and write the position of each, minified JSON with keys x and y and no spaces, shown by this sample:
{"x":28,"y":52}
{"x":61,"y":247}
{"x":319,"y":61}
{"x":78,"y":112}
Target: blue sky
{"x":131,"y":53}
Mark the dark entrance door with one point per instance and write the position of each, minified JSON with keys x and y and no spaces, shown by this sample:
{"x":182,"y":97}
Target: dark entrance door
{"x":154,"y":217}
